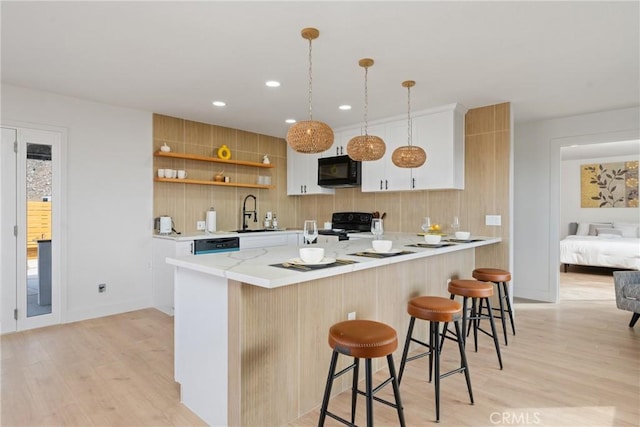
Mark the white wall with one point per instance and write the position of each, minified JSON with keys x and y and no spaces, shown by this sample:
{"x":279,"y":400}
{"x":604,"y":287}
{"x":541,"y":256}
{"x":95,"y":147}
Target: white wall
{"x":570,"y":197}
{"x":537,"y":190}
{"x":108,"y":227}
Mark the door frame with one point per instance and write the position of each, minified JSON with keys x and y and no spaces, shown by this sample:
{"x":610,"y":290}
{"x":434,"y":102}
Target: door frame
{"x":58,"y":227}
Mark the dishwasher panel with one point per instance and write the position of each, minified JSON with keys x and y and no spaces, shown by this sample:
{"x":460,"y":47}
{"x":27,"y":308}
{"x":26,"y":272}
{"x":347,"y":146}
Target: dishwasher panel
{"x":210,"y":246}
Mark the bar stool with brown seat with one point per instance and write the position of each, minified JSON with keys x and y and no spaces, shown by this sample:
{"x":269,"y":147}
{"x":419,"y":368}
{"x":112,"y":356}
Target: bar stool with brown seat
{"x":500,"y":278}
{"x":435,"y":310}
{"x":474,"y":290}
{"x":362,"y":339}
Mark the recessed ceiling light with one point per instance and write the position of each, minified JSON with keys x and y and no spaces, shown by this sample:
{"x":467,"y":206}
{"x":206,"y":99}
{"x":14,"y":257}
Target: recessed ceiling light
{"x":290,"y":121}
{"x":345,"y":107}
{"x":219,"y":103}
{"x":272,"y":83}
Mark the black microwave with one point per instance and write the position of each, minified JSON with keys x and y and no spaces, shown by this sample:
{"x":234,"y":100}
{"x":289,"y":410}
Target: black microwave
{"x":339,"y":171}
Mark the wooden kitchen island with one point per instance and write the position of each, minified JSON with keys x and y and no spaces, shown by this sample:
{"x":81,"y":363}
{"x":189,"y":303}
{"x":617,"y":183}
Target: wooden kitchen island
{"x":251,"y":339}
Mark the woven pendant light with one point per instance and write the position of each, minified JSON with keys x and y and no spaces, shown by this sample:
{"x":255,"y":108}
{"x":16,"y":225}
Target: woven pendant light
{"x":310,"y":136}
{"x":408,"y":156}
{"x":366,"y":147}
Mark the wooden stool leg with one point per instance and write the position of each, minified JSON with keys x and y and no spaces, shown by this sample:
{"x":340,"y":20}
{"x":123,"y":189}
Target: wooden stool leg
{"x":396,"y":389}
{"x":369,"y":385}
{"x":327,"y":390}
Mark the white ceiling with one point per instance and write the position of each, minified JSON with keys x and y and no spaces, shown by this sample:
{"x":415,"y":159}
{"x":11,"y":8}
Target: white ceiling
{"x":549,"y":59}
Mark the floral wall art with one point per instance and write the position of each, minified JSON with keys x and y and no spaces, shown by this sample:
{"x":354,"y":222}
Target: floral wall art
{"x":609,"y":185}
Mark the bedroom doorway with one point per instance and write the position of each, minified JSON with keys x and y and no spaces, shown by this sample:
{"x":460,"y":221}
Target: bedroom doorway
{"x":583,"y":283}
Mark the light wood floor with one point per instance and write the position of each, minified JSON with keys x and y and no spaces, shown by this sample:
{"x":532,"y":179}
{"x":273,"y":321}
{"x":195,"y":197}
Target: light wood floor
{"x":575,"y":363}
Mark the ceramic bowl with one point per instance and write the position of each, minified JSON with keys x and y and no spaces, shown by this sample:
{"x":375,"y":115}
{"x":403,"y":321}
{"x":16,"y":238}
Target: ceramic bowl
{"x":311,"y":255}
{"x":382,"y":245}
{"x":463,"y":235}
{"x":432,"y":239}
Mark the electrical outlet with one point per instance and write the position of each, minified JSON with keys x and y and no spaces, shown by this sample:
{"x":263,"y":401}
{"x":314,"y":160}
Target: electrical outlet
{"x":102,"y":287}
{"x":351,"y":315}
{"x":493,"y":220}
{"x":200,"y":225}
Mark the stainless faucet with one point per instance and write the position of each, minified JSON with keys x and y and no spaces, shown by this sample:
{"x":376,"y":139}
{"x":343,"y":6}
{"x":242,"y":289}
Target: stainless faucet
{"x":246,"y":213}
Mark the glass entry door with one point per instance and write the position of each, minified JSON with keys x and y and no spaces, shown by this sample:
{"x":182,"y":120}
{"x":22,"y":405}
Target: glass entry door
{"x":31,"y":274}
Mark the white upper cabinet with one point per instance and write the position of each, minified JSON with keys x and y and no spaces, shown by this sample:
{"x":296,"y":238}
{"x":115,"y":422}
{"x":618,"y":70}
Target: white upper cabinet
{"x":383,"y":175}
{"x":440,"y":132}
{"x":441,"y":135}
{"x":302,"y":174}
{"x":340,"y":141}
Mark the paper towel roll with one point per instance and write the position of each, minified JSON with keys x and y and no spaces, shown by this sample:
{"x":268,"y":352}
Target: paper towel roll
{"x":211,"y":221}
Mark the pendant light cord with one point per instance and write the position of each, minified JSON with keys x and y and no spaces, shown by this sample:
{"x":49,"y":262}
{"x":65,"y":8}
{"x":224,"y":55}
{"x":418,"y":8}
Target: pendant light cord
{"x":409,"y":116}
{"x":366,"y":100}
{"x":310,"y":82}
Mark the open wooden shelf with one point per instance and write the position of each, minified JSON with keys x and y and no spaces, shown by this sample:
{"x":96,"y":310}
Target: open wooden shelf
{"x":211,"y":159}
{"x":223,"y":184}
{"x":186,"y":156}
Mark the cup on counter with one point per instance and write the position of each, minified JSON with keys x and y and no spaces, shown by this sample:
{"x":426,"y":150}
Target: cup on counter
{"x":161,"y":173}
{"x":182,"y":174}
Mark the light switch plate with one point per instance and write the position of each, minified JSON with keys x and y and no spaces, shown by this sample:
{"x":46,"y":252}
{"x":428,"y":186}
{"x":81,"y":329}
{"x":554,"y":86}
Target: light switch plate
{"x":493,"y":220}
{"x":200,"y":225}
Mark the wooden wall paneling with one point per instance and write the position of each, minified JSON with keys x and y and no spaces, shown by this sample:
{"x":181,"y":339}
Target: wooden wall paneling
{"x":443,"y":206}
{"x":359,"y":294}
{"x":394,"y":284}
{"x":234,"y":400}
{"x":502,"y":117}
{"x":389,"y":202}
{"x":198,"y":136}
{"x":321,"y":307}
{"x":168,"y":129}
{"x":480,"y":120}
{"x":324,"y":208}
{"x":479,"y":194}
{"x":361,"y":202}
{"x":413,"y":208}
{"x":270,"y":339}
{"x":188,"y":205}
{"x":196,"y":202}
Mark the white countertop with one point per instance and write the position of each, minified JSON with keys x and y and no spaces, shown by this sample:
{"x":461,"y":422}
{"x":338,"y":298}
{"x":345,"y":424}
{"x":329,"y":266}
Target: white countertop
{"x":253,"y":266}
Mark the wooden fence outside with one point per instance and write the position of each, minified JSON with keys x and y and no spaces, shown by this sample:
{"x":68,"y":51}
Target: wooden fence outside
{"x":38,"y":226}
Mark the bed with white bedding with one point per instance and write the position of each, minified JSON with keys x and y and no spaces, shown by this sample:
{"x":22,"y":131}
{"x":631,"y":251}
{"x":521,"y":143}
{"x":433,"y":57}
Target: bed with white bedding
{"x":602,"y":244}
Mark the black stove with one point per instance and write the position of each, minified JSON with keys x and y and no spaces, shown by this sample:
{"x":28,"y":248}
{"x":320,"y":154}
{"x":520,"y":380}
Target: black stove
{"x":344,"y":223}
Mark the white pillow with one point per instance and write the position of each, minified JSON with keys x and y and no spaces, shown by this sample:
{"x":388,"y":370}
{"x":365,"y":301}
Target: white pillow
{"x":593,"y":227}
{"x":627,"y":229}
{"x":583,"y":229}
{"x":609,"y":233}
